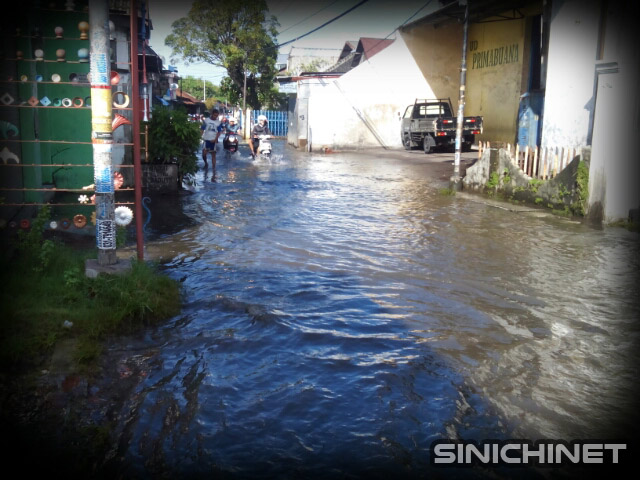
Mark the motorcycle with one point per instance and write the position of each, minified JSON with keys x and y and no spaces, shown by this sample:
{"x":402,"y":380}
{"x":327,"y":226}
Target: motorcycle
{"x":264,"y":146}
{"x":230,"y":142}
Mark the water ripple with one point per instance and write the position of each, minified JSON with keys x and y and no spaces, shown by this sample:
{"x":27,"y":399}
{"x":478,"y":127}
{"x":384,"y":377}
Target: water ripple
{"x":341,"y":315}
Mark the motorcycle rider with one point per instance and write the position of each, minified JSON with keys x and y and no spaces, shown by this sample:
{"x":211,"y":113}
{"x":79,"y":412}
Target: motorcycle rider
{"x":260,"y":128}
{"x":230,"y":127}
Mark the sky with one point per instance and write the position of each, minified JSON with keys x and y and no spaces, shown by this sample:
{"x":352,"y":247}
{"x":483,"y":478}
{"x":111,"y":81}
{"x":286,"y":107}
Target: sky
{"x":374,"y":18}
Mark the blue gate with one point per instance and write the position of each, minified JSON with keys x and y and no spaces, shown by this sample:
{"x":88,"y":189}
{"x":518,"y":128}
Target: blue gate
{"x":278,"y":121}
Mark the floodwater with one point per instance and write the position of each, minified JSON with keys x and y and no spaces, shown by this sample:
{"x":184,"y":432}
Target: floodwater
{"x":341,"y":314}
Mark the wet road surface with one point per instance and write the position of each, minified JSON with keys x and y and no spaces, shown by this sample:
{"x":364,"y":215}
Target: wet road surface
{"x":341,"y":314}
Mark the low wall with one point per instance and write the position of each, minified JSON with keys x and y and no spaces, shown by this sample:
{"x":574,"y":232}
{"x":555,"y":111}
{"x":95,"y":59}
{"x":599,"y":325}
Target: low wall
{"x":494,"y":173}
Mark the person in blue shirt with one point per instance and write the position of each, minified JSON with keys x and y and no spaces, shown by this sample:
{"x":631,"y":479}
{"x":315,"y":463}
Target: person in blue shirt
{"x":230,"y":127}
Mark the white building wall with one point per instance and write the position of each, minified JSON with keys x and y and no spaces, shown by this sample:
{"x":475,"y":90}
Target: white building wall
{"x":614,"y":173}
{"x":573,"y":44}
{"x":361,"y":108}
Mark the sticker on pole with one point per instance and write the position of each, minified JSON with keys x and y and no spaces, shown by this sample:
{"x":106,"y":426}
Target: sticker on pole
{"x":102,"y":168}
{"x":99,"y":69}
{"x":106,"y":234}
{"x":101,"y":121}
{"x":103,"y":179}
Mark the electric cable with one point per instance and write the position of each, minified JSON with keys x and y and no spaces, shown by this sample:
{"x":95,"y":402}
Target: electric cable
{"x":308,"y":17}
{"x":323,"y":25}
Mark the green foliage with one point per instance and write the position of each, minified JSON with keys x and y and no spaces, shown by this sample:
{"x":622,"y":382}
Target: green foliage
{"x":30,"y":240}
{"x":121,"y":236}
{"x":174,"y":139}
{"x":238,"y":36}
{"x":447,"y":192}
{"x":534,"y":183}
{"x":563,"y":213}
{"x":199,"y":89}
{"x":228,"y":87}
{"x":36,"y":251}
{"x":494,"y":180}
{"x":505,"y":177}
{"x":579,"y":206}
{"x":628,"y":224}
{"x":562,"y":191}
{"x":35,"y":304}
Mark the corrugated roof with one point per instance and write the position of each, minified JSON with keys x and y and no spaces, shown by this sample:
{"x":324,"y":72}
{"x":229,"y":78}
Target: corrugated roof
{"x":186,"y":97}
{"x":366,"y":48}
{"x":344,"y":65}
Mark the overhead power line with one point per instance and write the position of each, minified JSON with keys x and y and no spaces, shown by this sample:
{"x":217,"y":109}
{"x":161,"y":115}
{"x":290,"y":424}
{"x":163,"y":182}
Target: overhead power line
{"x":308,"y":17}
{"x":323,"y":25}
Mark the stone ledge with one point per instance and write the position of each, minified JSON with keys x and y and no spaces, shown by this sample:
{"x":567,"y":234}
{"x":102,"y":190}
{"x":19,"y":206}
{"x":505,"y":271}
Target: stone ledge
{"x":92,"y":268}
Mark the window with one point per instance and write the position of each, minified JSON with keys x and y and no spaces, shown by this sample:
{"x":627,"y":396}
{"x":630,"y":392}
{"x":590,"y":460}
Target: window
{"x":433,"y":109}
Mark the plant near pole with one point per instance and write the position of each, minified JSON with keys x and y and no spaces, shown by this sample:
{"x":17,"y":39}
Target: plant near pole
{"x":237,"y":36}
{"x":37,"y":251}
{"x":174,"y":139}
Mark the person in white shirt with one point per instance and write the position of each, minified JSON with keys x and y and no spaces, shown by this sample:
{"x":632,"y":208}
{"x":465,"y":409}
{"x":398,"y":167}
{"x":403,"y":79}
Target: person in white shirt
{"x":211,"y":127}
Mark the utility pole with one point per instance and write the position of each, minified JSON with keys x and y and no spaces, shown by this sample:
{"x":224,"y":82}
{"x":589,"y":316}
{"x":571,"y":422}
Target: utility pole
{"x":244,"y":103}
{"x":144,"y":93}
{"x":204,"y":91}
{"x":102,"y":131}
{"x":135,"y":113}
{"x":455,"y":181}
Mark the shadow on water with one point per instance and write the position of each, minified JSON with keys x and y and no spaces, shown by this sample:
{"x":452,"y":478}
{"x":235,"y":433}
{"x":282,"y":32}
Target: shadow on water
{"x":164,"y":214}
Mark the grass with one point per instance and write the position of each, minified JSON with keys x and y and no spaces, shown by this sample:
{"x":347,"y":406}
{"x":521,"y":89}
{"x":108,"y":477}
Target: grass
{"x":446,"y":192}
{"x":44,"y":287}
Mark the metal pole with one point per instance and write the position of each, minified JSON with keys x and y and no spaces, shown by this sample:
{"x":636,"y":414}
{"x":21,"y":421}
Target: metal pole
{"x":101,"y":131}
{"x":455,"y":179}
{"x":137,"y":167}
{"x":244,"y":104}
{"x":145,"y":87}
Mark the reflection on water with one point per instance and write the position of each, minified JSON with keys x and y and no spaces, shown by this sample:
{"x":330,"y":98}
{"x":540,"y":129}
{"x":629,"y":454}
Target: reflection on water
{"x":340,"y":315}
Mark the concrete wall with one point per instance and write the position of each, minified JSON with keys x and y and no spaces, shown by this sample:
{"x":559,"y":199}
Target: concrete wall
{"x":437,"y":52}
{"x":497,"y":68}
{"x":569,"y":96}
{"x":361,"y":108}
{"x":614,"y":176}
{"x":497,"y":62}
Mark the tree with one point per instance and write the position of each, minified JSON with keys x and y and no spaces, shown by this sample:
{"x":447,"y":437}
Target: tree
{"x":237,"y":36}
{"x":199,"y":89}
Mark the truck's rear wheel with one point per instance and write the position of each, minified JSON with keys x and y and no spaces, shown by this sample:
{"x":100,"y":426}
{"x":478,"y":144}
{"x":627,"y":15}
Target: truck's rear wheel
{"x":428,"y":143}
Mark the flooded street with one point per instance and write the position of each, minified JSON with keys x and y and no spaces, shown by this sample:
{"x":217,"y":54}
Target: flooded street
{"x":341,"y":314}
